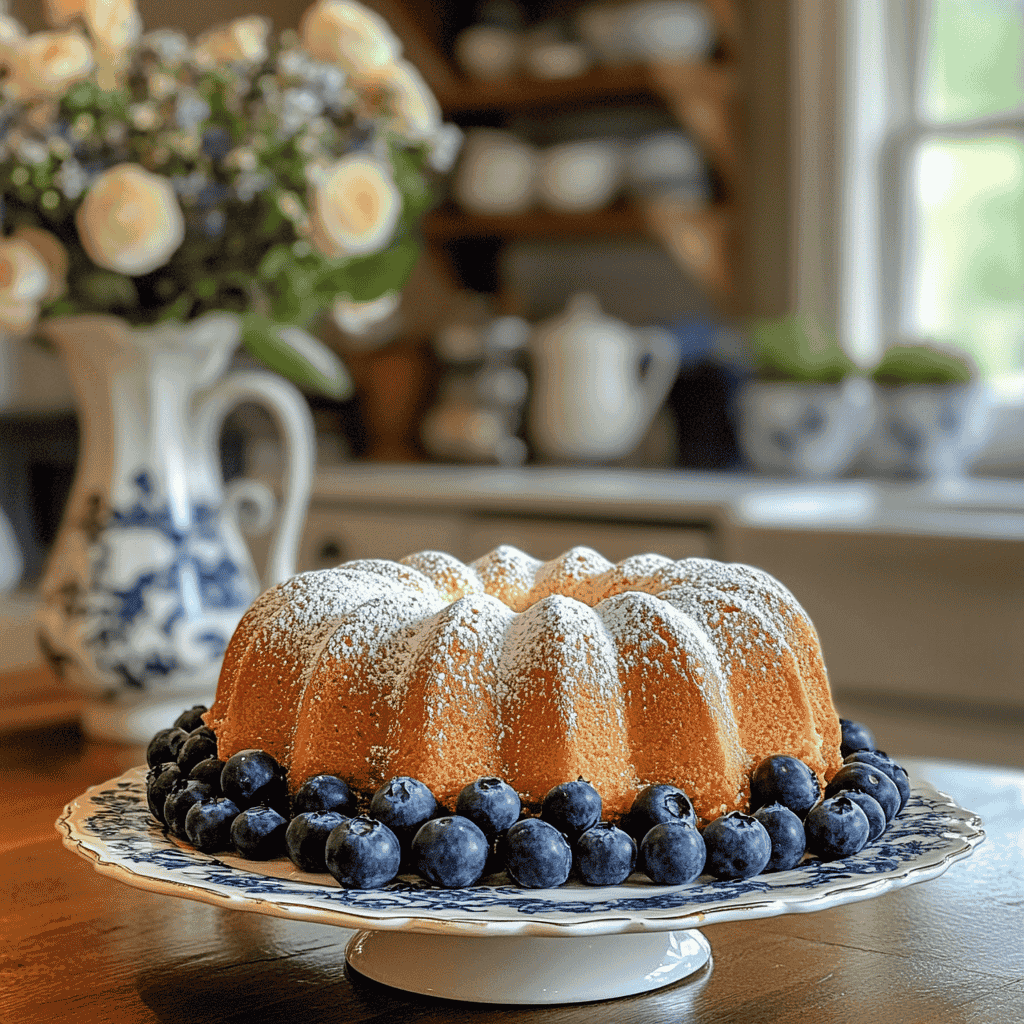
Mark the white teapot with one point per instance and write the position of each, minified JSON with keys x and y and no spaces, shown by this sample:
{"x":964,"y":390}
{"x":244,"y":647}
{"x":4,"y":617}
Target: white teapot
{"x":592,"y":398}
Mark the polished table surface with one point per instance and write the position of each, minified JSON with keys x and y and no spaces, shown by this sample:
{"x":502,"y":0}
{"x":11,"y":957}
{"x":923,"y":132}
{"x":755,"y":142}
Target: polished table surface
{"x":78,"y":946}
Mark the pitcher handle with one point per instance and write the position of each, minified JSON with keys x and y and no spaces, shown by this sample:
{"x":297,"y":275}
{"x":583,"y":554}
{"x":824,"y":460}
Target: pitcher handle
{"x":295,"y":423}
{"x":665,"y":359}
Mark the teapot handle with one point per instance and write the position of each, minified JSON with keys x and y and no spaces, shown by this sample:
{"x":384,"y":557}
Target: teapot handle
{"x":665,"y":358}
{"x":295,"y":422}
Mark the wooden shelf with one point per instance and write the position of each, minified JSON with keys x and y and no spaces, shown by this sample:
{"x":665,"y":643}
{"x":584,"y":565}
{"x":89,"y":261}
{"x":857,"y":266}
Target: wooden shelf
{"x":448,"y":224}
{"x":700,"y":239}
{"x":629,"y":82}
{"x":704,"y":97}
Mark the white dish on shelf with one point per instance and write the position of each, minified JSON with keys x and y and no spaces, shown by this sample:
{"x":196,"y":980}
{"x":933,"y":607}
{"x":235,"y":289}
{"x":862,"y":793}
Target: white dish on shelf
{"x":580,"y":177}
{"x":560,"y":940}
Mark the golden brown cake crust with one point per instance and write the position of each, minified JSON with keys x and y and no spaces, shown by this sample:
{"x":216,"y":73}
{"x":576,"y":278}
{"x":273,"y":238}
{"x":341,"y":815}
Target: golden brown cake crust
{"x":650,"y":671}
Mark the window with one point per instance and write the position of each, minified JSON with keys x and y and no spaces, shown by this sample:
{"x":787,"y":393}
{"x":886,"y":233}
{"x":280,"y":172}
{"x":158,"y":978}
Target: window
{"x":950,"y":172}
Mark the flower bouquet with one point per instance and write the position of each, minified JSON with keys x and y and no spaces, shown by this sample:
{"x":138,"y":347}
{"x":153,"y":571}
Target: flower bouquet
{"x":153,"y":178}
{"x":163,"y":200}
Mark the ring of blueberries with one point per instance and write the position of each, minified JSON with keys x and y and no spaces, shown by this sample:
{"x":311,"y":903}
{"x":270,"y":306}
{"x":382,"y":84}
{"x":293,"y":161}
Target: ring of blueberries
{"x":243,"y":804}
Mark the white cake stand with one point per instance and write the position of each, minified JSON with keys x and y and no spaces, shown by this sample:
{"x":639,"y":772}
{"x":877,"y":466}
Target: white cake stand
{"x":497,"y":943}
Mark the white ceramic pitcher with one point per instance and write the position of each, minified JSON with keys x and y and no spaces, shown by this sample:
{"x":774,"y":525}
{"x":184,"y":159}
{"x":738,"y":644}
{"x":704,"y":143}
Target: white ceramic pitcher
{"x":149,"y":574}
{"x":592,"y":399}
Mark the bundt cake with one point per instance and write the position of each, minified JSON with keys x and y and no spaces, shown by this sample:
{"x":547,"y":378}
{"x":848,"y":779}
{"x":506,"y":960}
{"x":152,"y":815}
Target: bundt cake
{"x":650,"y":671}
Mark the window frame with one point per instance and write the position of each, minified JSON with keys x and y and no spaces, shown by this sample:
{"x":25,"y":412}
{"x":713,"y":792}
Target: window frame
{"x":906,"y":32}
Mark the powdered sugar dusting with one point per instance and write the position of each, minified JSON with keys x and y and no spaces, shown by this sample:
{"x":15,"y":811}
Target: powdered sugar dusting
{"x":508,"y":574}
{"x":451,"y":577}
{"x":537,"y":671}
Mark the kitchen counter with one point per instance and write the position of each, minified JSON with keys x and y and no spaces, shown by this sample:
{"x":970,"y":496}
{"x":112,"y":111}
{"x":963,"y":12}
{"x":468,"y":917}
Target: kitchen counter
{"x":983,"y":508}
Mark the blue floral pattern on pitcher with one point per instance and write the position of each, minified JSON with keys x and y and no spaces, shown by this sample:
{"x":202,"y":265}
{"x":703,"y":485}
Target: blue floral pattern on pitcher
{"x":163,"y":614}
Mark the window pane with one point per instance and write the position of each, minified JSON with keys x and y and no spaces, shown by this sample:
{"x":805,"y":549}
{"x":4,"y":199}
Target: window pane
{"x":967,"y":249}
{"x":973,"y":59}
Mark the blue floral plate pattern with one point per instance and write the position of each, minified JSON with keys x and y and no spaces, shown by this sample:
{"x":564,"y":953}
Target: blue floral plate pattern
{"x":110,"y":825}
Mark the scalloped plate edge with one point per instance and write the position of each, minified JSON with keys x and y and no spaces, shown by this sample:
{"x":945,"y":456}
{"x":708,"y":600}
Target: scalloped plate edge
{"x":963,"y":826}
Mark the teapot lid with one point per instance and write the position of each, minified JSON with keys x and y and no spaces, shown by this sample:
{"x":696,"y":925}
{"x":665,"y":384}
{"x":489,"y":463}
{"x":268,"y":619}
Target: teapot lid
{"x":583,"y":314}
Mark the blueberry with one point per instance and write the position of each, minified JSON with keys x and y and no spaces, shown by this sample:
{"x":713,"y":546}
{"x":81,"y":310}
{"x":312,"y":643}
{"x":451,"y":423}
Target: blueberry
{"x":258,"y":833}
{"x":449,"y":851}
{"x":870,"y":780}
{"x":363,"y":853}
{"x":305,"y":839}
{"x":324,"y":793}
{"x":672,"y":853}
{"x":883,"y":762}
{"x":192,"y":718}
{"x":781,"y":779}
{"x":537,"y":855}
{"x":209,"y":771}
{"x":836,"y":828}
{"x":491,"y":804}
{"x":208,"y":824}
{"x":403,"y":804}
{"x":178,"y":803}
{"x":786,"y":831}
{"x":160,"y":781}
{"x":572,"y":808}
{"x":738,"y":846}
{"x":253,"y":777}
{"x":855,"y":737}
{"x":164,"y":746}
{"x":604,"y":855}
{"x":198,"y":747}
{"x":657,"y":804}
{"x":871,"y":808}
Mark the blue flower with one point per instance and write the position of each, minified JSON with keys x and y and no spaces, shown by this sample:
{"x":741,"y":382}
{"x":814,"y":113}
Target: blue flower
{"x":213,"y":223}
{"x":212,"y":194}
{"x":216,"y":142}
{"x":190,"y":109}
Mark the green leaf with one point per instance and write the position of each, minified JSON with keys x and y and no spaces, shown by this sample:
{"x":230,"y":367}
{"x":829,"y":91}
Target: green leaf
{"x":790,"y":349}
{"x":368,"y":277}
{"x":104,"y":289}
{"x":922,"y":364}
{"x":296,"y":355}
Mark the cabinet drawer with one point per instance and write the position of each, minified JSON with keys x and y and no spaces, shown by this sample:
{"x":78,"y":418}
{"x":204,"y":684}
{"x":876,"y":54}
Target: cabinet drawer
{"x":548,"y":538}
{"x":340,"y":534}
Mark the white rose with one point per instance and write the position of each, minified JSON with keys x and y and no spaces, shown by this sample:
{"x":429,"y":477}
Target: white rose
{"x":130,"y":220}
{"x":46,"y":63}
{"x":51,"y":251}
{"x":242,"y":41}
{"x":114,"y":23}
{"x":347,"y":33}
{"x":11,"y":34}
{"x":417,"y":113}
{"x":354,"y":208}
{"x":24,"y":282}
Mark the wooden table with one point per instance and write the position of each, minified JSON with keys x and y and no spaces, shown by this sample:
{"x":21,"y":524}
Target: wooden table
{"x":77,"y":946}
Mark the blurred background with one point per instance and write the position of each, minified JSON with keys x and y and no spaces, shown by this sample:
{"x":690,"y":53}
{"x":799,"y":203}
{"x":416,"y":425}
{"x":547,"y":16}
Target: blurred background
{"x":735,"y":278}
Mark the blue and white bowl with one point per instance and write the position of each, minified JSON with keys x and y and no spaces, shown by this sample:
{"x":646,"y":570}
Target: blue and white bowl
{"x":813,"y":431}
{"x":928,"y":430}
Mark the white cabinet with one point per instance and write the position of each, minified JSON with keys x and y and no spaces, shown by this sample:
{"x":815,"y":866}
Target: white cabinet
{"x":338,"y":532}
{"x":548,"y":538}
{"x":935,"y":619}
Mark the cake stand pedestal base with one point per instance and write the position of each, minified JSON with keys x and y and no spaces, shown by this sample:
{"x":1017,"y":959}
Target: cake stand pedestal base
{"x":528,"y":970}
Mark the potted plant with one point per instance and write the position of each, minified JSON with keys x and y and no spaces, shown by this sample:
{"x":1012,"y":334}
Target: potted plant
{"x":808,"y":410}
{"x":933,"y":412}
{"x":163,"y":201}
